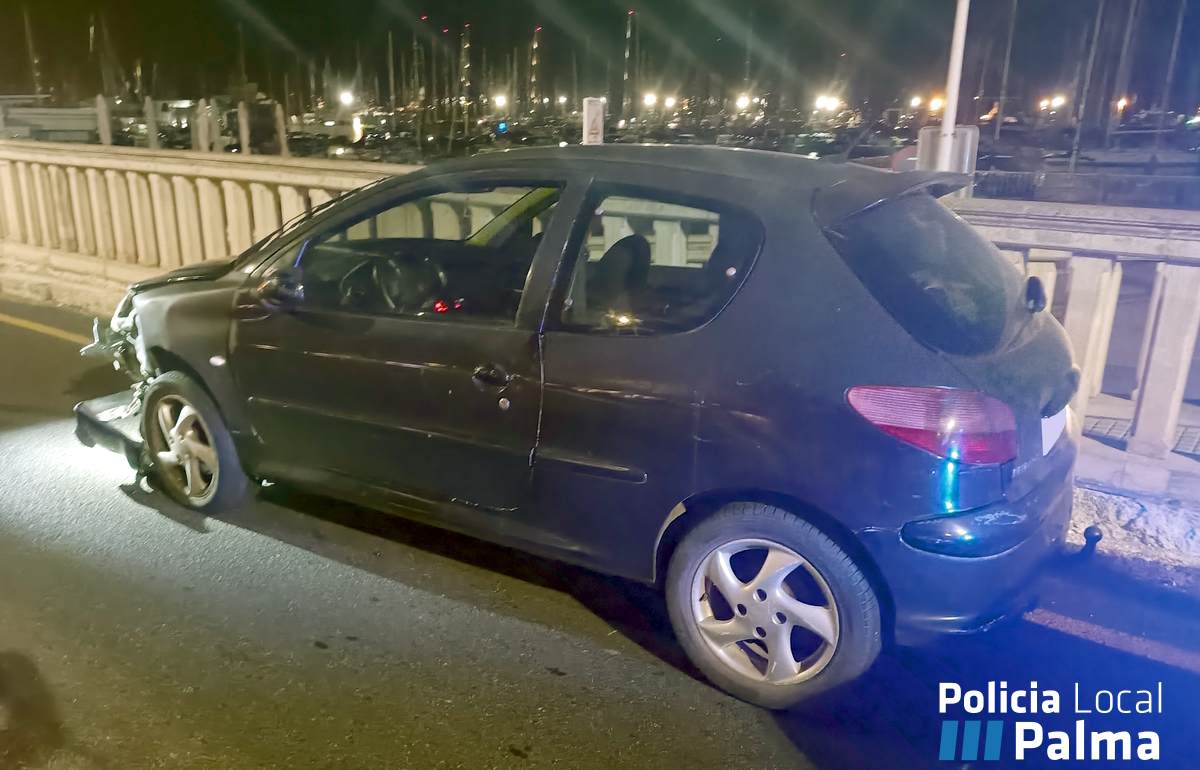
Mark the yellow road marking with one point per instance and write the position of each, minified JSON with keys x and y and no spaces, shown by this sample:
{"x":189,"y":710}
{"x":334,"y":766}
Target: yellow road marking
{"x":49,"y":331}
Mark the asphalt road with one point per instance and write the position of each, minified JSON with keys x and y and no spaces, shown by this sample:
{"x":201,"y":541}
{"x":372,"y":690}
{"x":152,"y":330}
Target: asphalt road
{"x":305,"y":633}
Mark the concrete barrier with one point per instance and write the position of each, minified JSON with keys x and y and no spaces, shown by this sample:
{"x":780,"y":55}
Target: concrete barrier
{"x":78,"y":223}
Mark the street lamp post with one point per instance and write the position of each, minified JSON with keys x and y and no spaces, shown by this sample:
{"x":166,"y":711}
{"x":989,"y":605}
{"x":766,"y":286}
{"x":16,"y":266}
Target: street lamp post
{"x":958,"y":42}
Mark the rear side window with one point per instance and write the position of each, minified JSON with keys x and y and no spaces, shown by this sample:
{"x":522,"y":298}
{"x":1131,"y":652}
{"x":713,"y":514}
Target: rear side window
{"x":651,"y":263}
{"x":945,"y":284}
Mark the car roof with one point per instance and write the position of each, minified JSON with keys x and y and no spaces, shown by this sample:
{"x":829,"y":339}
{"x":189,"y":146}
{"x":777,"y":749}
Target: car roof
{"x":844,"y":188}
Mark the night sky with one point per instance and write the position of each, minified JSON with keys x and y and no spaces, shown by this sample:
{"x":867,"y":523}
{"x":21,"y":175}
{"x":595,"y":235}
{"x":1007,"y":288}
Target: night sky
{"x":879,"y":48}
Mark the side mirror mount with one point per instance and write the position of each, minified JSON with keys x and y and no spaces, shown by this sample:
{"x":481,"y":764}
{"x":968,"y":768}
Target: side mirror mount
{"x":281,"y":290}
{"x":1035,"y":294}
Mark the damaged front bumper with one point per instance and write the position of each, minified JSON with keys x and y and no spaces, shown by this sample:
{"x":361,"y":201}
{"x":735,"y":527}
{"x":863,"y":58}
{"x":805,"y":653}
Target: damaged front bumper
{"x":114,"y":421}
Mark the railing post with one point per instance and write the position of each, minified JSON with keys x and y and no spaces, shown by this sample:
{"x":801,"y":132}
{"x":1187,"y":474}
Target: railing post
{"x":670,"y":244}
{"x":81,"y":210}
{"x":291,"y":202}
{"x":212,"y":219}
{"x":1172,"y":346}
{"x":44,"y":205}
{"x":187,"y":213}
{"x":266,"y":210}
{"x":237,"y":216}
{"x":103,"y":121}
{"x":201,"y":128}
{"x":243,"y":114}
{"x":281,"y":131}
{"x":1108,"y":314}
{"x":14,"y":221}
{"x":166,"y":229}
{"x":29,"y":205}
{"x":1084,"y":320}
{"x":122,"y":216}
{"x":102,"y":218}
{"x":1156,"y":290}
{"x":143,"y":218}
{"x":150,"y":115}
{"x":64,"y":209}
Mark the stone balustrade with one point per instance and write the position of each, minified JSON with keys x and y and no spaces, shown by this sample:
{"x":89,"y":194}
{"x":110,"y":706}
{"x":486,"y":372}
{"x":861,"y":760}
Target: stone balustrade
{"x":1081,"y":253}
{"x":79,"y":223}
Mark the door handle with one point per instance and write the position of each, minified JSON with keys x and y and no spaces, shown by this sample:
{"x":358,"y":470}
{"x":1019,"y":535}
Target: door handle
{"x":491,"y":374}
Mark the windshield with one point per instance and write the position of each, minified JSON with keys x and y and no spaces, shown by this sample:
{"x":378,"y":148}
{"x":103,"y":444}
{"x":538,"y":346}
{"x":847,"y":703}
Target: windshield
{"x":943,"y":282}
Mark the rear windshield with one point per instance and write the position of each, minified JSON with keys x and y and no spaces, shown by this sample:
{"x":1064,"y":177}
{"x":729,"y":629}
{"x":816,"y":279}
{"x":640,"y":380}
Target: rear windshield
{"x":947,"y":285}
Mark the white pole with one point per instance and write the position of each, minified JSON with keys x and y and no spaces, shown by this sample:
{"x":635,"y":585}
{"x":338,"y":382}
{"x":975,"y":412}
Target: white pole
{"x":945,"y":156}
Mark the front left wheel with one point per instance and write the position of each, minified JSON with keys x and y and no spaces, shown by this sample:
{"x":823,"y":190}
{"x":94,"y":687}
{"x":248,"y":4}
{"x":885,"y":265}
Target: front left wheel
{"x":191,"y":453}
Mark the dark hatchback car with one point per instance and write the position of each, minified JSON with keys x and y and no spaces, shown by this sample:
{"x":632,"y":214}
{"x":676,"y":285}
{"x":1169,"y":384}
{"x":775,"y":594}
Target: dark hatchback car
{"x":804,"y":398}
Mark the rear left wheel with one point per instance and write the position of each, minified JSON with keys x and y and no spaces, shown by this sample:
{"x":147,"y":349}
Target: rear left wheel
{"x":770,"y":608}
{"x":191,"y":452}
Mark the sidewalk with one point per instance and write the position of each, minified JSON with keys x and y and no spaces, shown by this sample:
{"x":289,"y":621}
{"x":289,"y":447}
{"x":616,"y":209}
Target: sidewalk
{"x":1148,"y":509}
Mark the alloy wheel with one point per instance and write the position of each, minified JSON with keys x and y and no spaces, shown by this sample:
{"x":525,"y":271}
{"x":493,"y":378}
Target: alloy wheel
{"x":185,"y":452}
{"x":765,"y":612}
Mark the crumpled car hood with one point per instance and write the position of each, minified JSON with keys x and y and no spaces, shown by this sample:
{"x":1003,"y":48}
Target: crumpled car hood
{"x":203,"y":271}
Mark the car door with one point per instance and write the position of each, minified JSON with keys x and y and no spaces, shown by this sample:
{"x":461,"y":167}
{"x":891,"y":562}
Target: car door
{"x":628,"y":354}
{"x":397,"y":345}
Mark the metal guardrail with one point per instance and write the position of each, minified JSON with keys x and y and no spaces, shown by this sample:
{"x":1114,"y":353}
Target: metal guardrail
{"x":1150,"y":191}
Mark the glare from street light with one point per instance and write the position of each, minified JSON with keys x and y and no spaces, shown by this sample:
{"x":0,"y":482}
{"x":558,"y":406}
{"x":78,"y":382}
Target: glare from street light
{"x":915,"y":102}
{"x":500,"y":100}
{"x":669,"y":102}
{"x":650,"y":100}
{"x":743,"y":102}
{"x":936,"y":103}
{"x":1058,"y":101}
{"x":1122,"y":103}
{"x":828,"y":103}
{"x":1044,"y":104}
{"x":562,"y":100}
{"x":346,"y":98}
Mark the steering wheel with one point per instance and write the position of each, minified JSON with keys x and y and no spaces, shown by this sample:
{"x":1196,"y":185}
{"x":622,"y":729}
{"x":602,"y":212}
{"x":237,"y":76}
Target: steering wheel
{"x":401,"y":286}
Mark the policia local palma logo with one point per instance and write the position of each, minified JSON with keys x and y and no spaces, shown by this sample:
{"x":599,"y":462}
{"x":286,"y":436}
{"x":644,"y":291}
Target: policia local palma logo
{"x":1000,"y":722}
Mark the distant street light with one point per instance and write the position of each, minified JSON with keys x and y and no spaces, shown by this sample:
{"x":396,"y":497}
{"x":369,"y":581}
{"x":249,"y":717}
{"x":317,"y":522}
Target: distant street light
{"x":915,"y":102}
{"x":346,"y":98}
{"x":1122,"y":103}
{"x":650,"y":100}
{"x":562,"y":100}
{"x":669,"y":102}
{"x":828,"y":103}
{"x":936,"y":103}
{"x":1044,"y":104}
{"x":743,"y":102}
{"x":500,"y":100}
{"x":1058,"y":101}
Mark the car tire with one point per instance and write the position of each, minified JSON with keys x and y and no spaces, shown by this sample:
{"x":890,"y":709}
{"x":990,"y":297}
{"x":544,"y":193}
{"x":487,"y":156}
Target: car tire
{"x":821,"y":613}
{"x":181,"y":423}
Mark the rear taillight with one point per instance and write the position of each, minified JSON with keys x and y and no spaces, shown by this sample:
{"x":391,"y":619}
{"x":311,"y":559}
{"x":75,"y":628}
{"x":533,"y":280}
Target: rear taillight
{"x":962,"y":425}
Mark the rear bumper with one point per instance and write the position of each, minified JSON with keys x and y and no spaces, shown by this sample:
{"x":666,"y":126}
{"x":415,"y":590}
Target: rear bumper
{"x":112,"y":422}
{"x":936,"y":594}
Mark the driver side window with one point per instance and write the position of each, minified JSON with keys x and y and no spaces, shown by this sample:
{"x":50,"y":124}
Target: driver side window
{"x":461,"y":254}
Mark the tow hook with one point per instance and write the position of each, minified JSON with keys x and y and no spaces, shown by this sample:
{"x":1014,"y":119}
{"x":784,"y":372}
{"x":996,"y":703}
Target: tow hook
{"x":1091,"y":538}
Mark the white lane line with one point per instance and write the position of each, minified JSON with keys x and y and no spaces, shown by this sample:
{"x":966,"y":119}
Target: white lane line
{"x":1117,"y":640}
{"x":49,"y":331}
